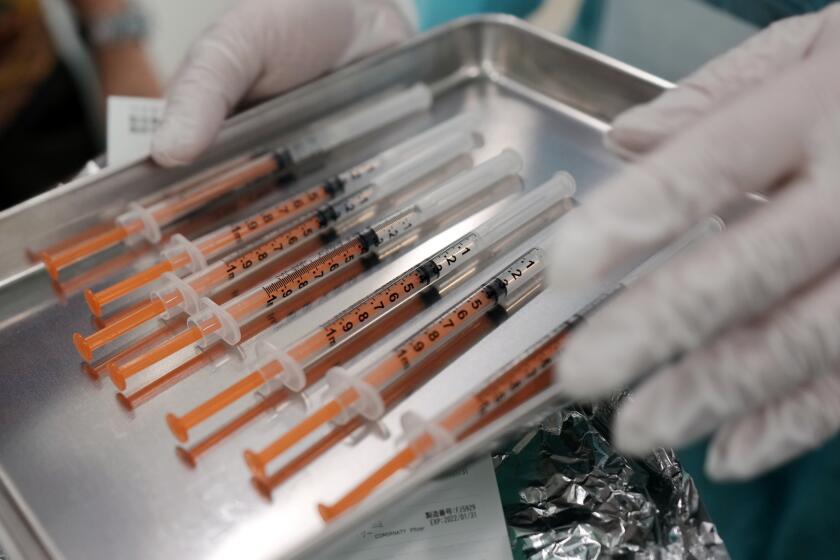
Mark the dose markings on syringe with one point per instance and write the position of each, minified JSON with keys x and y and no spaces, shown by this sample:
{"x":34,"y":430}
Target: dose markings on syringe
{"x":281,"y":242}
{"x":167,"y":210}
{"x":375,"y":306}
{"x":390,"y":296}
{"x":252,"y":225}
{"x":504,"y":387}
{"x":432,"y":337}
{"x":383,"y":300}
{"x":314,"y":270}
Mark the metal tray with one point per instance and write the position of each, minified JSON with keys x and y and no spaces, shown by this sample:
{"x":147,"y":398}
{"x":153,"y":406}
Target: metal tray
{"x":81,"y":478}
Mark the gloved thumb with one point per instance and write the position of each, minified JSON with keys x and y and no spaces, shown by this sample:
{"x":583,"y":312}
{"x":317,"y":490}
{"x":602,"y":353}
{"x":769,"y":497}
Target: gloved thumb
{"x":219,"y":70}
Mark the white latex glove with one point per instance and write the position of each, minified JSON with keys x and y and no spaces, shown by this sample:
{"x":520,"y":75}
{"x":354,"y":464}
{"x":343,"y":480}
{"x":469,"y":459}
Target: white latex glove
{"x":261,"y":48}
{"x":753,"y":313}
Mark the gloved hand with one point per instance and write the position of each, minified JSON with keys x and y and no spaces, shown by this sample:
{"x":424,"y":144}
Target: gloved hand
{"x":739,"y":336}
{"x":261,"y":48}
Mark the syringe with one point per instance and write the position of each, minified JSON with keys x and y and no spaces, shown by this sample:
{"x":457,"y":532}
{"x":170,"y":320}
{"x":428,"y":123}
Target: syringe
{"x":219,"y":351}
{"x":359,"y":390}
{"x":215,"y":321}
{"x":525,"y":376}
{"x":172,"y":190}
{"x":193,"y":255}
{"x":290,"y":364}
{"x":185,"y":293}
{"x":304,"y":147}
{"x":358,"y":427}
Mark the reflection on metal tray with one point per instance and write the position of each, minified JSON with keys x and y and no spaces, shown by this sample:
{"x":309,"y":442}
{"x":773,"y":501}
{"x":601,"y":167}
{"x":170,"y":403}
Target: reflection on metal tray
{"x":81,"y":478}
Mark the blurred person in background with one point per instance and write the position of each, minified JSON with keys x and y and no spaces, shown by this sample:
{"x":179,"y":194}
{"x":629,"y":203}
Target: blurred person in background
{"x":49,"y":115}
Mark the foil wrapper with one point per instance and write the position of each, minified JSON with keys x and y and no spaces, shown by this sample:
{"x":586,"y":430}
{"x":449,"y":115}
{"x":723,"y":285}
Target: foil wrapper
{"x":567,"y":493}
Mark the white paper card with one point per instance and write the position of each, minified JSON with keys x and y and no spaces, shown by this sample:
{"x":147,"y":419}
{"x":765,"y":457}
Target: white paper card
{"x":131,"y":123}
{"x":459,"y":516}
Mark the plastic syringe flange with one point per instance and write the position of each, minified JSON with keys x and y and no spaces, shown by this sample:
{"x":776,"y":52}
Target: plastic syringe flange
{"x":369,"y":402}
{"x":293,"y":376}
{"x":375,"y":428}
{"x":190,"y":300}
{"x":229,"y":331}
{"x":151,"y":229}
{"x":415,"y":426}
{"x":293,"y":408}
{"x":180,"y":244}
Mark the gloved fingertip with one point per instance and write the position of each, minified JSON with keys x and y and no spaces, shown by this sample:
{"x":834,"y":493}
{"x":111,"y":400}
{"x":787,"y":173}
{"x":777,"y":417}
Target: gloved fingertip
{"x":634,"y":132}
{"x":726,"y":462}
{"x":170,"y":148}
{"x":622,"y":150}
{"x":571,"y":258}
{"x":179,"y":140}
{"x":563,"y":276}
{"x":584,"y":370}
{"x":632,"y":432}
{"x":718,"y":468}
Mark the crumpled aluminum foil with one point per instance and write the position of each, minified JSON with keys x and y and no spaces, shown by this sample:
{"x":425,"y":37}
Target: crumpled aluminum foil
{"x":568,"y":494}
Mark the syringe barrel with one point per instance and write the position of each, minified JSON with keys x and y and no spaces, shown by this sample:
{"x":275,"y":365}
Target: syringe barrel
{"x":425,"y":437}
{"x":368,"y":118}
{"x":179,"y":246}
{"x":426,"y":159}
{"x":142,"y":217}
{"x":522,"y":211}
{"x":450,"y":194}
{"x":177,"y":290}
{"x":367,"y":172}
{"x":470,"y":184}
{"x":467,"y":121}
{"x":293,"y":375}
{"x":215,"y":323}
{"x":519,"y":276}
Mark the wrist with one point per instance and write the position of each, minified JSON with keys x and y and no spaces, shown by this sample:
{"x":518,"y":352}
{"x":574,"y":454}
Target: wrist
{"x":111,"y":22}
{"x":93,"y":9}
